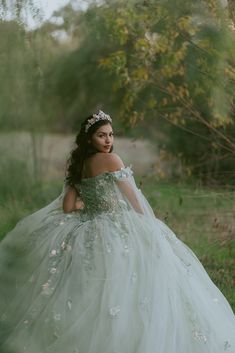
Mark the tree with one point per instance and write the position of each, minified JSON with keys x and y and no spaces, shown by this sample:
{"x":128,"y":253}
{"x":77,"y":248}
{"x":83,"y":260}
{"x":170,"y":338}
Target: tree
{"x":175,"y":62}
{"x":231,"y":8}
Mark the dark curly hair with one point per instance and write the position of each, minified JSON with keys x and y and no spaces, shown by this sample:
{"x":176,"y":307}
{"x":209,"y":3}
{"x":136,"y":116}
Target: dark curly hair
{"x":83,"y":150}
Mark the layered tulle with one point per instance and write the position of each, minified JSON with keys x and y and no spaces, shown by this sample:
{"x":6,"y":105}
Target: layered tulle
{"x":111,"y":278}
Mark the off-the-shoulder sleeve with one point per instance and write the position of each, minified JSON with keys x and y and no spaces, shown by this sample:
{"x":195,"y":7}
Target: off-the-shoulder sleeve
{"x":131,"y":194}
{"x":123,"y":173}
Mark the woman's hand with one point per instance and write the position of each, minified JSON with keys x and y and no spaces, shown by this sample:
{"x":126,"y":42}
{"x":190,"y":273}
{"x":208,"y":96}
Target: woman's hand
{"x":72,"y":202}
{"x":79,"y":204}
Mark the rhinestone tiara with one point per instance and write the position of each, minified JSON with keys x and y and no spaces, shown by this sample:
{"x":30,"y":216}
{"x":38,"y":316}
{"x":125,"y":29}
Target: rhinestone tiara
{"x":96,"y":117}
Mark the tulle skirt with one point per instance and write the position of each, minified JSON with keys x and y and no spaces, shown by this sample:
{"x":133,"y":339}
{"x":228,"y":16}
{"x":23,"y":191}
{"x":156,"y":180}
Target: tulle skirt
{"x":114,"y":283}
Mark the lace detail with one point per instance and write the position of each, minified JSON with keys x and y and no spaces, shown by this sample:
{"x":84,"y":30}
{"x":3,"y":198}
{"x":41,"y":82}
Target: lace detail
{"x":99,"y":194}
{"x":124,"y":172}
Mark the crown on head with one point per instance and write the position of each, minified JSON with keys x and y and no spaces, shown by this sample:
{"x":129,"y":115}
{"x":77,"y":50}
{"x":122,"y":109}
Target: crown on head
{"x":96,"y":117}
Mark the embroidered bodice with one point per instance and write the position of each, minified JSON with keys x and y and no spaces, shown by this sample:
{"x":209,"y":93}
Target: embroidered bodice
{"x":99,"y":193}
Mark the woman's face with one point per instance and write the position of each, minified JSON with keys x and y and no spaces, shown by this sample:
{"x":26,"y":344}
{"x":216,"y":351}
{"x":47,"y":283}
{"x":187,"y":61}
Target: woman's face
{"x":102,"y":139}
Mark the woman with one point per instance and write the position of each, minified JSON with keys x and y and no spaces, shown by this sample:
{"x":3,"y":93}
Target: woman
{"x":96,"y":272}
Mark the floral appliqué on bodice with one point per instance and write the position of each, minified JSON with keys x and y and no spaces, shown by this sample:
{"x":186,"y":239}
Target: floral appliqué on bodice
{"x":99,"y":194}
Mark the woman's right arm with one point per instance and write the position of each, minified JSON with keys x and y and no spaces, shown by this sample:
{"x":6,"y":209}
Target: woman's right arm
{"x":70,"y":201}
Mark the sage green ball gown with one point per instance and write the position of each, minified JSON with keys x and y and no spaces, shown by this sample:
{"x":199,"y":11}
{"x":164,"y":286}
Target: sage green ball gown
{"x":110,"y":278}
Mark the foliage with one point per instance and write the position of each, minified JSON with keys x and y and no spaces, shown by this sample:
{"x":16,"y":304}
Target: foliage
{"x":157,"y":67}
{"x":181,"y":57}
{"x":231,"y":8}
{"x":54,"y":84}
{"x":76,"y":83}
{"x":74,"y":79}
{"x":177,"y":66}
{"x":23,"y":58}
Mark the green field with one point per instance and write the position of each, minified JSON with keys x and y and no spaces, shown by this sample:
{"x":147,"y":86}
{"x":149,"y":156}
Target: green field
{"x":201,"y":217}
{"x":204,"y":219}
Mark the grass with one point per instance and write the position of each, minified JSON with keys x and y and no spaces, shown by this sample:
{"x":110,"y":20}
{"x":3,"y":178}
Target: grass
{"x":201,"y":217}
{"x":20,"y":195}
{"x":204,"y":219}
{"x":15,"y":208}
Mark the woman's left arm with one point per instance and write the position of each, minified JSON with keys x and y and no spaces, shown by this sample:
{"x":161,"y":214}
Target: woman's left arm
{"x":71,"y":201}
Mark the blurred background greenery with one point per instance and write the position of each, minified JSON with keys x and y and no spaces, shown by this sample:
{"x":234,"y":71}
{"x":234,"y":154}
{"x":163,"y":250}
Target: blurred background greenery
{"x":164,"y":70}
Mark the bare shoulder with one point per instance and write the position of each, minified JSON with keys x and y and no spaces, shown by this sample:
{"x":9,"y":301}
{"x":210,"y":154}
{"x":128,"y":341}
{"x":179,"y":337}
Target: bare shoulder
{"x":110,"y":161}
{"x":102,"y":162}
